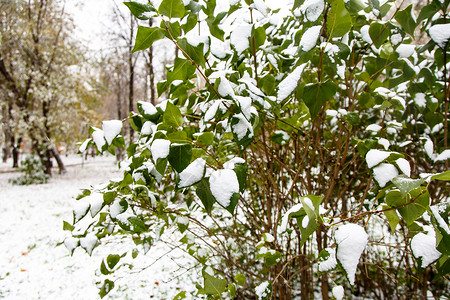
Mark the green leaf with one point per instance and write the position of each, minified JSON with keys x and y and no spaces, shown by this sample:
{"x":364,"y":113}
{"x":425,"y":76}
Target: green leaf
{"x":392,"y":217}
{"x":112,"y":260}
{"x":406,"y":184}
{"x":109,"y":197}
{"x":203,"y":191}
{"x":206,"y":138}
{"x":191,"y":21}
{"x":146,"y":36}
{"x":180,"y":156}
{"x":241,"y":173}
{"x":172,"y":8}
{"x":107,"y":286}
{"x":214,"y":286}
{"x":182,"y":70}
{"x":67,"y":226}
{"x":411,"y":211}
{"x":312,"y":215}
{"x":173,"y":28}
{"x":240,"y":279}
{"x":213,"y":25}
{"x":195,"y":53}
{"x":172,"y":116}
{"x":405,"y":19}
{"x":103,"y":268}
{"x":233,"y":202}
{"x":339,"y":20}
{"x":232,"y":290}
{"x":443,"y":265}
{"x":445,"y":176}
{"x":315,"y":95}
{"x":180,"y":295}
{"x":142,"y":11}
{"x":427,"y":12}
{"x":83,"y":194}
{"x":379,"y":33}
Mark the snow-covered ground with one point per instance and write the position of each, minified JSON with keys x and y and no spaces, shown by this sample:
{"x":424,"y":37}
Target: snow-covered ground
{"x":34,"y":266}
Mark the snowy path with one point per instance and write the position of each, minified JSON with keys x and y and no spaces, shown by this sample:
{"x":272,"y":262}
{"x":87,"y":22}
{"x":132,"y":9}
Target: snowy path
{"x":32,"y":266}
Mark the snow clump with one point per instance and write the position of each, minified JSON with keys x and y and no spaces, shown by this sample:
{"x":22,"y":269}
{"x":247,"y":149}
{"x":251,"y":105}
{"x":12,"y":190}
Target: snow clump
{"x":330,"y":262}
{"x":424,"y":246}
{"x":338,"y":292}
{"x":193,"y":173}
{"x":289,"y":84}
{"x":224,"y":183}
{"x":111,"y":129}
{"x":351,"y":240}
{"x":160,"y":149}
{"x":263,"y":290}
{"x":384,"y":173}
{"x":440,"y":34}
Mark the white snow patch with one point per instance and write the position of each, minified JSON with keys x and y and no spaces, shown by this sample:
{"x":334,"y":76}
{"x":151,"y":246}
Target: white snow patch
{"x":384,"y":173}
{"x":239,"y":37}
{"x":80,"y":209}
{"x":242,"y":127}
{"x":395,"y":38}
{"x":309,"y":38}
{"x":99,"y":139}
{"x":193,"y":173}
{"x":420,"y":100}
{"x":373,"y":127}
{"x":224,"y":183}
{"x":312,"y":9}
{"x":351,"y":240}
{"x":147,"y":128}
{"x":285,"y":219}
{"x":71,"y":243}
{"x":262,"y":290}
{"x":429,"y":149}
{"x":84,"y":145}
{"x":149,"y":109}
{"x":96,"y":202}
{"x":375,"y":157}
{"x":445,"y":155}
{"x":330,"y":263}
{"x":424,"y":246}
{"x":225,"y":89}
{"x":440,"y":34}
{"x":89,"y":242}
{"x":404,"y":166}
{"x":232,"y":162}
{"x":384,"y":142}
{"x":405,"y":50}
{"x":261,"y":6}
{"x":160,"y":149}
{"x":338,"y":292}
{"x":439,"y":219}
{"x":111,"y":129}
{"x":365,"y":34}
{"x":289,"y":84}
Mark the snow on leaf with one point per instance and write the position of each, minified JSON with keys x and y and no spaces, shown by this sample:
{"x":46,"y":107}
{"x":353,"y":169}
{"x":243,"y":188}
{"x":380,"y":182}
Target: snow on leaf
{"x":99,"y":139}
{"x":111,"y":129}
{"x":405,"y":50}
{"x":439,"y":219}
{"x":375,"y":157}
{"x":80,"y":210}
{"x":225,"y":89}
{"x":83,"y":146}
{"x":330,"y":262}
{"x":338,"y":292}
{"x":312,"y":9}
{"x":384,"y":173}
{"x":96,"y":203}
{"x":71,"y":243}
{"x":263,"y":290}
{"x":351,"y":240}
{"x":309,"y":38}
{"x":148,"y":108}
{"x":423,"y":246}
{"x":239,"y":37}
{"x":242,"y":128}
{"x":223,"y":184}
{"x":289,"y":84}
{"x":440,"y":34}
{"x":285,"y":219}
{"x":89,"y":242}
{"x":193,"y":173}
{"x":373,"y":127}
{"x":404,"y":166}
{"x":160,"y":148}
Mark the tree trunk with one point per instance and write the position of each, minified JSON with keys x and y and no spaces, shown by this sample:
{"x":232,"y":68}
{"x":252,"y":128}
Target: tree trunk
{"x":15,"y":151}
{"x":62,"y":168}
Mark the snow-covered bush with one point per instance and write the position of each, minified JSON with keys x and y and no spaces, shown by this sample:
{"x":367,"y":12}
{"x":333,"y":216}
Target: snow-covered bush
{"x":32,"y":172}
{"x":302,"y":153}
